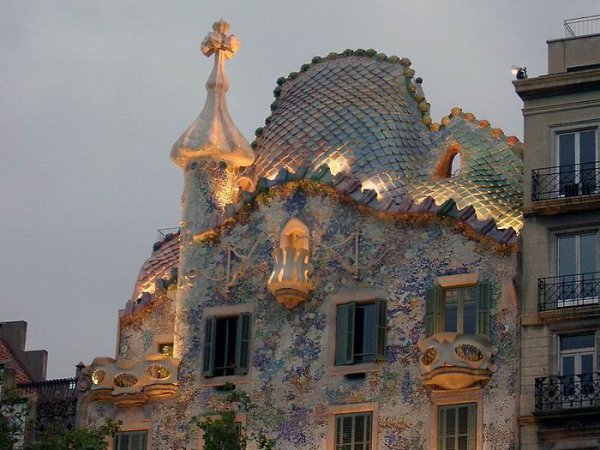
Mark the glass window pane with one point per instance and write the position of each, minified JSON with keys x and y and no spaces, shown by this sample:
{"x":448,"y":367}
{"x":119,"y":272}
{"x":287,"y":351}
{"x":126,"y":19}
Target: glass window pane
{"x":587,"y":146}
{"x":369,"y":332}
{"x":587,"y":363}
{"x":451,"y":300}
{"x":577,"y":341}
{"x":587,"y":253}
{"x":566,"y":255}
{"x":568,"y":365}
{"x":566,"y":148}
{"x":469,"y":315}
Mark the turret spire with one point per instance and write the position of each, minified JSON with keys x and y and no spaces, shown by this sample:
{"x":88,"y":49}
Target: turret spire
{"x":214,"y":135}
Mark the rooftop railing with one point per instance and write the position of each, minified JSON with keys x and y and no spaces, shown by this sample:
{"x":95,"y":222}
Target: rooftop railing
{"x":162,"y":233}
{"x":582,"y":26}
{"x":565,"y":181}
{"x":62,"y":388}
{"x":567,"y":392}
{"x":568,"y":291}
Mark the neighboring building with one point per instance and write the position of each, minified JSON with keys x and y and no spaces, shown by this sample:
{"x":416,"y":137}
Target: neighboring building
{"x":339,"y":270}
{"x":24,"y":391}
{"x":560,"y":383}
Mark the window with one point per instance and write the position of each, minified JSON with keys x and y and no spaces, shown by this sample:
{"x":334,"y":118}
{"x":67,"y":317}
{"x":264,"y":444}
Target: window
{"x":577,"y":364}
{"x":360,"y":332}
{"x":131,"y":440}
{"x":464,"y":310}
{"x":577,"y":262}
{"x":577,"y":156}
{"x":353,"y":431}
{"x":457,"y":427}
{"x":166,"y":349}
{"x":227,"y":345}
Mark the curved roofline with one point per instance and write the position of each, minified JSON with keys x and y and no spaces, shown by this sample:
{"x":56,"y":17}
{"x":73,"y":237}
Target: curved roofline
{"x":409,"y":73}
{"x":513,"y":142}
{"x":353,"y":188}
{"x":414,"y":89}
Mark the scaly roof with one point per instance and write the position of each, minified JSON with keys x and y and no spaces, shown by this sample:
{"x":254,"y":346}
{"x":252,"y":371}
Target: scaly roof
{"x":363,"y":113}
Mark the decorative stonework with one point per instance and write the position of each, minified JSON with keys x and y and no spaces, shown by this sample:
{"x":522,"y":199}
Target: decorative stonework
{"x":213,"y":134}
{"x":290,"y":281}
{"x":127,"y":382}
{"x":456,"y":361}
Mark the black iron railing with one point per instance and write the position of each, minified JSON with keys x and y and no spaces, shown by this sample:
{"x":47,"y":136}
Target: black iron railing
{"x":62,"y":388}
{"x":162,"y":233}
{"x":565,"y":181}
{"x":568,"y":291}
{"x":564,"y":392}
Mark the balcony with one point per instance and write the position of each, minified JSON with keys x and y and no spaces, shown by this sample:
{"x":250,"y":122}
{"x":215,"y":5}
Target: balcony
{"x":133,"y":382}
{"x":456,"y":361}
{"x":568,"y":291}
{"x":566,"y":393}
{"x":562,"y":182}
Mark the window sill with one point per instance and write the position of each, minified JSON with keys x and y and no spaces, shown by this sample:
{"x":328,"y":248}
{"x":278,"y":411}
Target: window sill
{"x":355,"y":368}
{"x":220,"y":381}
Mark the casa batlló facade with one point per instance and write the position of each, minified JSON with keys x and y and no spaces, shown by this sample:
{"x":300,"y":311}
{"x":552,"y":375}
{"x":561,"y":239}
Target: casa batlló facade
{"x":338,"y":270}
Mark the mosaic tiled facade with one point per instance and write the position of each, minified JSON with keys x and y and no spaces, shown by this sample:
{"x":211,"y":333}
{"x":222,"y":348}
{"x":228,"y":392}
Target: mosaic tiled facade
{"x":338,"y":126}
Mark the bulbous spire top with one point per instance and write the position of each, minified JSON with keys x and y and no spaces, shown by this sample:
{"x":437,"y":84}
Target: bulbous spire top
{"x":214,"y":135}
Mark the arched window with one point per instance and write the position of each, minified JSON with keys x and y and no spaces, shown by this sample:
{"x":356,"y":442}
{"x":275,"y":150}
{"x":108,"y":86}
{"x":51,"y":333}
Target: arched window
{"x":455,"y":165}
{"x":450,"y":164}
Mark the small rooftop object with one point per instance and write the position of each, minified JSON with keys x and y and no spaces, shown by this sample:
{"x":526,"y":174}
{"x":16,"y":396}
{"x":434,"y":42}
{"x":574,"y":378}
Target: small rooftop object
{"x":214,"y":135}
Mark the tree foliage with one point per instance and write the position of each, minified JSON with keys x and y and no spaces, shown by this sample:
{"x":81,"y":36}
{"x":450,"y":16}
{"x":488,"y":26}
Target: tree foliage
{"x":61,"y":438}
{"x":222,"y":432}
{"x":13,"y":417}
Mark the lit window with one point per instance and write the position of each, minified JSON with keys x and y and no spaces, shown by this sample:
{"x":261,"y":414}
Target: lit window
{"x":166,"y":349}
{"x":457,"y":427}
{"x":464,"y":310}
{"x":577,"y":158}
{"x":131,"y":440}
{"x":360,"y":332}
{"x":353,"y":431}
{"x":227,"y":345}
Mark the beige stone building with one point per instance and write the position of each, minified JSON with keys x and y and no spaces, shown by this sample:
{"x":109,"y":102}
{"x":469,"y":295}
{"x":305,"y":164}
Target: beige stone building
{"x":560,"y":308}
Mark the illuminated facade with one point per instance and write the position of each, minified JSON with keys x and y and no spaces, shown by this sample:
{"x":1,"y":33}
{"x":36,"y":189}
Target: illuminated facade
{"x":335,"y":269}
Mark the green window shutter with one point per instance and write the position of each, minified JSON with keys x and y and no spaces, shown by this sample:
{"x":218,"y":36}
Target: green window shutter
{"x":344,"y":330}
{"x":381,"y":318}
{"x":457,"y":427}
{"x":242,"y":344}
{"x":434,"y":310}
{"x":472,"y":427}
{"x":483,"y":293}
{"x":138,"y":440}
{"x":209,"y":346}
{"x":442,"y":428}
{"x":368,"y":430}
{"x":338,"y":430}
{"x":121,"y":441}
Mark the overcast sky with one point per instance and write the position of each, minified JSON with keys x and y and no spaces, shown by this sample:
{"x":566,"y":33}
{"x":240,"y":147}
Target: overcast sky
{"x":94,"y":93}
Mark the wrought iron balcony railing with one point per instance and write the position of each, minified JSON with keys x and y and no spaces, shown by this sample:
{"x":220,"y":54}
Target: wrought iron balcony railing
{"x":566,"y":392}
{"x":565,"y":181}
{"x":162,"y":233}
{"x":568,"y":291}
